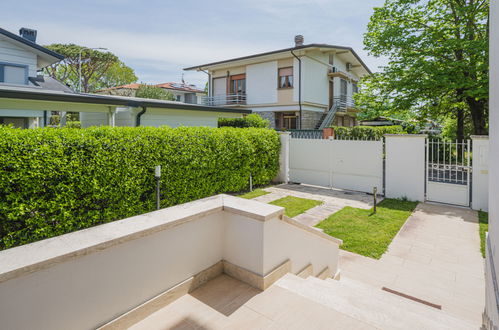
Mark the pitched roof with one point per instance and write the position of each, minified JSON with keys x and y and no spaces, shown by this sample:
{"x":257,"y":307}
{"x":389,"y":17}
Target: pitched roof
{"x":168,"y":85}
{"x":31,"y":44}
{"x":199,"y":67}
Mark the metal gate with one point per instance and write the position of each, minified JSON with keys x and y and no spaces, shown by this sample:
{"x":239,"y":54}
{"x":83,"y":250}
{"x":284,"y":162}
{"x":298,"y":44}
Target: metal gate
{"x":448,"y":172}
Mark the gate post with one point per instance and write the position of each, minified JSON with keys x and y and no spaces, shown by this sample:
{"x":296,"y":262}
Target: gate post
{"x":480,"y":173}
{"x":405,"y":166}
{"x":283,"y":175}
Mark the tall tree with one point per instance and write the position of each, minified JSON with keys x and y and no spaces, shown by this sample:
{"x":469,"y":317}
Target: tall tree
{"x":438,"y":59}
{"x":98,"y":69}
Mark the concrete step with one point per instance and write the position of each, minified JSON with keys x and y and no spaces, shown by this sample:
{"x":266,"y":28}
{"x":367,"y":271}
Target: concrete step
{"x":370,"y":305}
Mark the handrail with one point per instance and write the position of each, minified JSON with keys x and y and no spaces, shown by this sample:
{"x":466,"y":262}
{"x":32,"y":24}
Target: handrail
{"x":340,"y":104}
{"x":224,"y":99}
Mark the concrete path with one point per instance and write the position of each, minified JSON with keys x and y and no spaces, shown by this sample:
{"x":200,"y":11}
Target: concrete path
{"x":334,"y":200}
{"x":435,"y":257}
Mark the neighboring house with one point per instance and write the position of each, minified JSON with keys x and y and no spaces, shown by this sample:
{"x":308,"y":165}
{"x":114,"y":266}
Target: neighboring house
{"x":304,"y":87}
{"x":20,"y":60}
{"x":182,"y":92}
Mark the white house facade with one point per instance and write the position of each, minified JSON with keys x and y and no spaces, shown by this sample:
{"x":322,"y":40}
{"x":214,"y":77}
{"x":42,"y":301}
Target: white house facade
{"x":295,"y":88}
{"x":20,"y":60}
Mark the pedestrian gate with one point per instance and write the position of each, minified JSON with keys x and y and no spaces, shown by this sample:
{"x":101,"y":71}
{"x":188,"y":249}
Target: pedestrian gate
{"x":448,"y":177}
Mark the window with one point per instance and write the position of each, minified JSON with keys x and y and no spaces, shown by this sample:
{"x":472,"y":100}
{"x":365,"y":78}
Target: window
{"x":355,"y":88}
{"x":13,"y":74}
{"x":178,"y":98}
{"x":238,"y":84}
{"x":285,"y":78}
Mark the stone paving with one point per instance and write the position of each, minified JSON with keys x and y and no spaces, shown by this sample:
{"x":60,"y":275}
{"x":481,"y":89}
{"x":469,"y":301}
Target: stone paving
{"x":435,"y":257}
{"x":334,"y":200}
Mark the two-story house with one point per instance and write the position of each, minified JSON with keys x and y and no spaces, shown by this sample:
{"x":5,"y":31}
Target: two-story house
{"x":20,"y":60}
{"x":304,"y":87}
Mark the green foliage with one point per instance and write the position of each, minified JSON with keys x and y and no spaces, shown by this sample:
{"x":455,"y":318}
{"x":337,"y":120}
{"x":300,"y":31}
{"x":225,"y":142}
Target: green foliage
{"x":253,"y":194}
{"x":483,"y":219}
{"x":154,"y":92}
{"x":295,"y":205}
{"x":99,"y":69}
{"x":252,"y":120}
{"x":366,"y":132}
{"x":365,"y":232}
{"x":54,"y":181}
{"x":449,"y":129}
{"x":438,"y":59}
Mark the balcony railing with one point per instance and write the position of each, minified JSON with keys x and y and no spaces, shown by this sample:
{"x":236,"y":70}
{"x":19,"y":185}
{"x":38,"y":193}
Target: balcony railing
{"x":343,"y":102}
{"x":224,"y":99}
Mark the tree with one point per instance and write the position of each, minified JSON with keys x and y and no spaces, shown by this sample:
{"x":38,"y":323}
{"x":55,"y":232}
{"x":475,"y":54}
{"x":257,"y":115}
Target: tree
{"x":154,"y":92}
{"x":438,"y":60}
{"x":98,"y":69}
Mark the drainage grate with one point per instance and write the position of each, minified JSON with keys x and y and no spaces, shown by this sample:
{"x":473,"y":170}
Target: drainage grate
{"x":421,"y":301}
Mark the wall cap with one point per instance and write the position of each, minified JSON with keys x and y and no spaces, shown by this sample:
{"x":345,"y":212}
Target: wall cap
{"x":479,"y":137}
{"x":406,"y":135}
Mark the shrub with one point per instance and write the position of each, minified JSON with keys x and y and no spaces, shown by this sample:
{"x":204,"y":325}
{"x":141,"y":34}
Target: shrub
{"x":366,"y":132}
{"x":54,"y":181}
{"x":252,"y":120}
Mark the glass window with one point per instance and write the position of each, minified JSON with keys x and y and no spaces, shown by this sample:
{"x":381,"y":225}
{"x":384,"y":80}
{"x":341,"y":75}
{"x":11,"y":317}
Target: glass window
{"x":238,"y":84}
{"x":355,"y":88}
{"x":285,"y":79}
{"x":14,"y":75}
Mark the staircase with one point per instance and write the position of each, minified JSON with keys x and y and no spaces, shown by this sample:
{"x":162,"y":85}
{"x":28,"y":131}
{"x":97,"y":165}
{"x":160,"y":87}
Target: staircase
{"x":370,"y":305}
{"x":339,"y":104}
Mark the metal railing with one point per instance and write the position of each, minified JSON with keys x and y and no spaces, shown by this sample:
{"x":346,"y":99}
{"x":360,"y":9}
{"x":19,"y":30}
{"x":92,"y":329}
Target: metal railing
{"x":224,"y":99}
{"x":340,"y":104}
{"x":448,"y":161}
{"x":306,"y":133}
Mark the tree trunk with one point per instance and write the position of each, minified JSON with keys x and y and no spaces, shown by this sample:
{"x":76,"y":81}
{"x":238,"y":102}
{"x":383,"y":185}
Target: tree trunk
{"x":478,"y":115}
{"x":460,"y":124}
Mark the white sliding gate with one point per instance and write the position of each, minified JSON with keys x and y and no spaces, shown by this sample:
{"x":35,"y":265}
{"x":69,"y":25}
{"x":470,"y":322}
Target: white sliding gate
{"x":448,"y":170}
{"x":344,"y":164}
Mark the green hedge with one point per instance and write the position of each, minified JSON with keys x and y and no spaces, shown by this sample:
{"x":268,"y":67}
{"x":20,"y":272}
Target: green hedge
{"x":54,"y":181}
{"x":366,"y":132}
{"x":252,"y":120}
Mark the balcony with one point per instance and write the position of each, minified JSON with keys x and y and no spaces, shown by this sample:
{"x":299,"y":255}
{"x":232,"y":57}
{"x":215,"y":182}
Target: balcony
{"x":334,"y":72}
{"x":224,"y":99}
{"x":343,"y":103}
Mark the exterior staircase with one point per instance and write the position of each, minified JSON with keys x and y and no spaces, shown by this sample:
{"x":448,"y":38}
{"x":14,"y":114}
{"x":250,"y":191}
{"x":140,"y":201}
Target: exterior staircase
{"x":370,"y":305}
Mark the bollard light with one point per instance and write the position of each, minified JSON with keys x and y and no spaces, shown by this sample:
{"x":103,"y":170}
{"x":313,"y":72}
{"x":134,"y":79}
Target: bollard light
{"x":157,"y":171}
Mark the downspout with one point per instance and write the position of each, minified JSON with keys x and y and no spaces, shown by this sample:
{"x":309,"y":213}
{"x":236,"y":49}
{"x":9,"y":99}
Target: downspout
{"x":299,"y":85}
{"x":137,"y":119}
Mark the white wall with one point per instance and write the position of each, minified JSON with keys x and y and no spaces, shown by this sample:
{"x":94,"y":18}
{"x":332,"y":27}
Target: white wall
{"x":353,"y":165}
{"x":11,"y":53}
{"x":405,"y":166}
{"x":315,"y":79}
{"x":219,"y":86}
{"x":480,"y":193}
{"x":261,"y":83}
{"x":491,"y":309}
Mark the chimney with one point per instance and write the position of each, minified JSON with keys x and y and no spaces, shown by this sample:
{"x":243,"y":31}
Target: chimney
{"x":28,"y":34}
{"x":298,"y":40}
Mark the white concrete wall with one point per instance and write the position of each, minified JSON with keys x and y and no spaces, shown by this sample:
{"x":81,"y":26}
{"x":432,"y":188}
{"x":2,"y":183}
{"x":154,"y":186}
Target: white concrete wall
{"x":352,"y":165}
{"x":405,"y":166}
{"x":480,"y":188}
{"x":11,"y":53}
{"x":315,"y":79}
{"x":87,"y":278}
{"x":283,"y":175}
{"x":491,"y":309}
{"x":261,"y":83}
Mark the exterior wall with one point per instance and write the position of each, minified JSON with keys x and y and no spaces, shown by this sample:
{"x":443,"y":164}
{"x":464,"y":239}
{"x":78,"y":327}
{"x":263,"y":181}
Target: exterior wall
{"x":85,"y":279}
{"x":404,"y":170}
{"x":480,"y":172}
{"x":157,"y":117}
{"x":270,"y":115}
{"x":11,"y":53}
{"x":261,"y":83}
{"x":219,"y":86}
{"x":492,"y":261}
{"x":310,"y":119}
{"x":315,"y":81}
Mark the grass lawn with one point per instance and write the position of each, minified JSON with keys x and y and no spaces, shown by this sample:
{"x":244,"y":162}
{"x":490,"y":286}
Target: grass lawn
{"x":483,"y":222}
{"x":294,"y":205}
{"x":254,"y":193}
{"x":366,"y":233}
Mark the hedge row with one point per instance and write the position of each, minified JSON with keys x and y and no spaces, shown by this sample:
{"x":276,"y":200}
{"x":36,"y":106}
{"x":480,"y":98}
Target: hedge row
{"x":252,"y":120}
{"x":54,"y":181}
{"x":366,"y":132}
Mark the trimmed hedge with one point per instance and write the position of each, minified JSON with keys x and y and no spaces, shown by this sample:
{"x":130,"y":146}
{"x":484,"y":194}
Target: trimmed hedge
{"x":366,"y":132}
{"x":54,"y":181}
{"x":252,"y":120}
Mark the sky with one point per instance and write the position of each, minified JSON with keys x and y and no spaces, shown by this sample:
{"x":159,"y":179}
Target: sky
{"x":160,"y":38}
